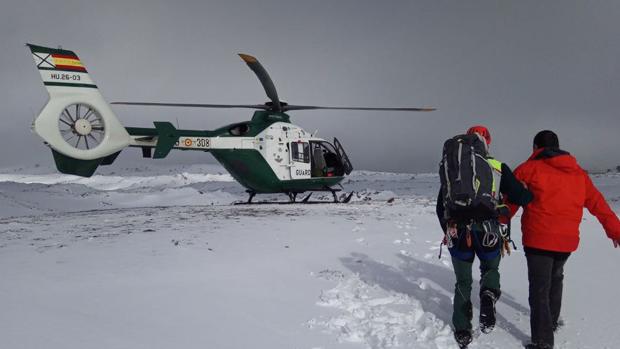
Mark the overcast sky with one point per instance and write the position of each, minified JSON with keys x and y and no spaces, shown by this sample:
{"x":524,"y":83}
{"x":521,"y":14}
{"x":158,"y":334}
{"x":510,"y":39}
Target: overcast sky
{"x":515,"y":66}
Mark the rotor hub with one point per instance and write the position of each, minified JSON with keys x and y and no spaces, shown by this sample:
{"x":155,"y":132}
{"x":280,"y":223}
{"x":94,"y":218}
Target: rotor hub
{"x":82,"y":127}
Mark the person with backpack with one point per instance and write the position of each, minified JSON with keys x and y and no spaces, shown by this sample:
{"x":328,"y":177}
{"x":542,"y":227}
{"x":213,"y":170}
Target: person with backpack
{"x":468,"y":207}
{"x":550,"y":227}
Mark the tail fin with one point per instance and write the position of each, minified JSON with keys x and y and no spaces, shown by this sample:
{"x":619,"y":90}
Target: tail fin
{"x":76,"y":122}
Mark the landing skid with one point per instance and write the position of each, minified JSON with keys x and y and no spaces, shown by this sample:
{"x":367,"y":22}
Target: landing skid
{"x":292,"y":198}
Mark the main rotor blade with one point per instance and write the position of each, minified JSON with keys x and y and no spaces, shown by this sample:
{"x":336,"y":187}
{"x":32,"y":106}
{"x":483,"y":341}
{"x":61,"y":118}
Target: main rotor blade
{"x":314,"y":107}
{"x":194,"y":105}
{"x":265,"y":80}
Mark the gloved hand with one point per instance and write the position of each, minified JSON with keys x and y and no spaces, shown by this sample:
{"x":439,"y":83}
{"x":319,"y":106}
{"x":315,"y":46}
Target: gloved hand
{"x":503,"y":211}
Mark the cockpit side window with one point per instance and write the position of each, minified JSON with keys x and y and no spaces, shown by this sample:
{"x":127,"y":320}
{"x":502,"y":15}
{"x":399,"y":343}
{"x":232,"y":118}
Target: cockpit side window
{"x":300,"y":152}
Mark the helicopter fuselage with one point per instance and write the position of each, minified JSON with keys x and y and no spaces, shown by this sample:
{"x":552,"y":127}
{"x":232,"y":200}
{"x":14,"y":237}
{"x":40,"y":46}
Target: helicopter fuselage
{"x":267,"y":154}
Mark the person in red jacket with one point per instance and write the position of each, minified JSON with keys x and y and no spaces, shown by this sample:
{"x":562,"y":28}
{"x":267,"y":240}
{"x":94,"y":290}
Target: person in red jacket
{"x":550,"y":226}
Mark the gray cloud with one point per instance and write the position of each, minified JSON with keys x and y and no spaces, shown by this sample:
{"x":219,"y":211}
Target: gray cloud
{"x":517,"y":67}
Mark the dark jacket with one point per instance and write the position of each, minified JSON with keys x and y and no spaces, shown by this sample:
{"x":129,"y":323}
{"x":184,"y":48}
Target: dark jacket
{"x":562,"y":189}
{"x":509,"y":186}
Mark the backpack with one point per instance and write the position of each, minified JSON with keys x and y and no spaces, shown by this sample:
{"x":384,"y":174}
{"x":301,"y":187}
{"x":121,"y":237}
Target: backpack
{"x":467,"y":180}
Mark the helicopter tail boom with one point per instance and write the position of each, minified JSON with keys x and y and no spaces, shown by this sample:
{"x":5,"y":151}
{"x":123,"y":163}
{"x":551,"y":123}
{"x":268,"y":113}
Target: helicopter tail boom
{"x":157,"y":142}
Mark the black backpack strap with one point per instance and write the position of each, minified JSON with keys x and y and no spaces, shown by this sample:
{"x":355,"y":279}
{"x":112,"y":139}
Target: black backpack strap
{"x":514,"y":246}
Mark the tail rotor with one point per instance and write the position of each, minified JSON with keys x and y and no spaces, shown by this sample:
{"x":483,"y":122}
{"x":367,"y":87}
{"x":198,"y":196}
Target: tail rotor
{"x":81,"y":126}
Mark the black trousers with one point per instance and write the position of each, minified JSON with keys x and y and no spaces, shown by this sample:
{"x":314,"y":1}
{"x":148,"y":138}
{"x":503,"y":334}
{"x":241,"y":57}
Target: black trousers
{"x":545,"y":271}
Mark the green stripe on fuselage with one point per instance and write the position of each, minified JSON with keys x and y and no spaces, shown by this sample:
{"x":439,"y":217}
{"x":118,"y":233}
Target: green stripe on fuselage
{"x":252,"y":171}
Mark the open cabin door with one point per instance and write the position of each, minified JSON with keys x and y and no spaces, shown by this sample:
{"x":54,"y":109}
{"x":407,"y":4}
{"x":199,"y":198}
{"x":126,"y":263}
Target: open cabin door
{"x":300,"y":160}
{"x":346,"y":163}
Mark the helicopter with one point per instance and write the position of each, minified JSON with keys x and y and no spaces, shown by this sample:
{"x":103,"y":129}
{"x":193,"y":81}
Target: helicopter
{"x":266,"y":154}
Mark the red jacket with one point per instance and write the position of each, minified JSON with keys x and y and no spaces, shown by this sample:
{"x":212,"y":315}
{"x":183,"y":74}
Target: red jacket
{"x":561,"y":190}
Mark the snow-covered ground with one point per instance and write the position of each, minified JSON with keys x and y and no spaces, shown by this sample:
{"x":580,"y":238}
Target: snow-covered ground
{"x":159,"y":258}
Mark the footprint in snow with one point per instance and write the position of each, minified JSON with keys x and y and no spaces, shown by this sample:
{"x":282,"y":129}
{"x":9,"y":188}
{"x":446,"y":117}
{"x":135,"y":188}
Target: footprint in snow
{"x":330,"y":275}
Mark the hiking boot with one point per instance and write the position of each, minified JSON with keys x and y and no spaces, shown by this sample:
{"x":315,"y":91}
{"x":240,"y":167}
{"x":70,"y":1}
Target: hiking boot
{"x":463,"y":338}
{"x":487,"y":311}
